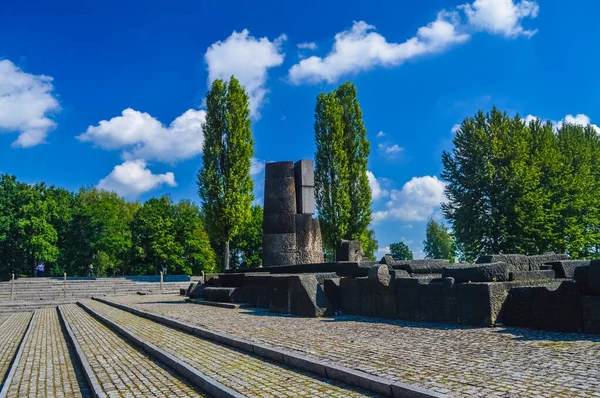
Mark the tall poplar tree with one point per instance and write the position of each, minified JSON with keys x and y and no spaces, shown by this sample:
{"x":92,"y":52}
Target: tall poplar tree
{"x":342,"y":191}
{"x":224,"y":181}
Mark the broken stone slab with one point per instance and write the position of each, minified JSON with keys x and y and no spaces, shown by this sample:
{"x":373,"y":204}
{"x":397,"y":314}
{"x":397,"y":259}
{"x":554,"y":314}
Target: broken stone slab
{"x":532,"y":275}
{"x":516,"y":262}
{"x":349,"y":250}
{"x":535,"y":262}
{"x":566,"y":268}
{"x":388,"y":259}
{"x":380,"y":275}
{"x":554,"y":308}
{"x":197,"y":292}
{"x":489,"y":272}
{"x":431,"y":266}
{"x":189,"y":289}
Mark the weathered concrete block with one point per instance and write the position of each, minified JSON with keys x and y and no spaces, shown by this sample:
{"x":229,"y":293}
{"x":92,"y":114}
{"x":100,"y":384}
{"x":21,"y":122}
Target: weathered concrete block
{"x":197,"y":292}
{"x":333,"y":293}
{"x":532,"y":275}
{"x":232,"y":280}
{"x":380,"y":275}
{"x":280,"y":196}
{"x":305,"y":182}
{"x":431,"y":266}
{"x":182,"y":292}
{"x":349,"y":250}
{"x":276,"y":170}
{"x":588,"y":278}
{"x":545,"y":308}
{"x":489,"y":272}
{"x":516,"y":262}
{"x":388,"y":259}
{"x":407,"y":303}
{"x":278,"y":258}
{"x":223,"y":294}
{"x":308,"y":234}
{"x":278,"y":294}
{"x":590,"y":306}
{"x":535,"y":262}
{"x":189,"y":289}
{"x":278,"y":243}
{"x":367,"y":298}
{"x":566,"y":268}
{"x":307,"y":296}
{"x":279,"y":224}
{"x":350,"y":295}
{"x":385,"y":302}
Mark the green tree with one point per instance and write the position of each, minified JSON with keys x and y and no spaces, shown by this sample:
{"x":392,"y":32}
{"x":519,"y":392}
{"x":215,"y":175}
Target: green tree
{"x":438,"y":242}
{"x":400,"y":251}
{"x":369,"y":244}
{"x":248,"y":244}
{"x":198,"y":254}
{"x":224,"y":182}
{"x":342,"y":191}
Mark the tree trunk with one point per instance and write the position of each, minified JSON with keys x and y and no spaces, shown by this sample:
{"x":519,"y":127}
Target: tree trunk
{"x":226,"y":255}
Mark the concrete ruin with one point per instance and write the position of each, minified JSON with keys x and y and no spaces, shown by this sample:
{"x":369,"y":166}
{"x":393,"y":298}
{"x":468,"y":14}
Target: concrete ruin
{"x":290,"y":233}
{"x":548,"y":292}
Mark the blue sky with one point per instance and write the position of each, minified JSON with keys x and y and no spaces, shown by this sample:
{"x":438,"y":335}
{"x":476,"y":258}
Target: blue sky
{"x":110,"y":94}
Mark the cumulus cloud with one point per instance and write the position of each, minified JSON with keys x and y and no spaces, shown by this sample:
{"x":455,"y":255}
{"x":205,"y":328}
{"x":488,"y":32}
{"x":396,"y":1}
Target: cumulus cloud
{"x":26,"y":102}
{"x":501,"y":16}
{"x":248,"y":59}
{"x":361,"y":48}
{"x":133,"y":178}
{"x":418,"y":199}
{"x":141,"y":136}
{"x":376,"y":190}
{"x":380,"y":134}
{"x":580,"y":119}
{"x":308,"y":46}
{"x":382,"y":251}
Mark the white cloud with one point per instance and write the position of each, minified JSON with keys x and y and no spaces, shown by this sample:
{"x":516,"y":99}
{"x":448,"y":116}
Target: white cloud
{"x":418,"y":199}
{"x":380,"y":134}
{"x":361,"y":48}
{"x":308,"y":46}
{"x":26,"y":101}
{"x":455,"y":128}
{"x":501,"y":16}
{"x":580,"y":119}
{"x":376,"y":190}
{"x":248,"y":59}
{"x":382,"y":251}
{"x":389,"y":150}
{"x":141,"y":136}
{"x":256,"y":166}
{"x":133,"y":178}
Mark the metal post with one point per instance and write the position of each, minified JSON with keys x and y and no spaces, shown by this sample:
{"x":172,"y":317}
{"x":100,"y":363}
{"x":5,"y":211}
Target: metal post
{"x":65,"y":285}
{"x":161,"y":281}
{"x":12,"y":287}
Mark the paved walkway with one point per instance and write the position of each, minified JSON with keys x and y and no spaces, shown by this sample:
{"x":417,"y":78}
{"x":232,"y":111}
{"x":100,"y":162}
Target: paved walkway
{"x":11,"y":333}
{"x":122,"y":371}
{"x":246,"y":374}
{"x":459,"y":361}
{"x":45,"y":368}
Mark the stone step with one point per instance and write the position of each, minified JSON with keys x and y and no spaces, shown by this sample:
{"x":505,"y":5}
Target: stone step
{"x":12,"y":331}
{"x":46,"y":366}
{"x":245,"y":374}
{"x":117,"y":368}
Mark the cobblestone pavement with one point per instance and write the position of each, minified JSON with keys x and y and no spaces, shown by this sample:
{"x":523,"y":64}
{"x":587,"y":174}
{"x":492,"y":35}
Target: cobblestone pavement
{"x":45,"y":368}
{"x":239,"y":371}
{"x":11,"y":334}
{"x":459,"y":361}
{"x":122,"y":371}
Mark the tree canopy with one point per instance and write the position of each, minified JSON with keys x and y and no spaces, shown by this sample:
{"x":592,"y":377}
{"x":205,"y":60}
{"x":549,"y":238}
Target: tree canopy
{"x":225,"y":185}
{"x":342,"y":191}
{"x":517,"y":187}
{"x":438,"y":242}
{"x":400,"y":251}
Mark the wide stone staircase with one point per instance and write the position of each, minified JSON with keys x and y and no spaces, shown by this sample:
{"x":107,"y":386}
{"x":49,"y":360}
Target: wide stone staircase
{"x":99,"y":348}
{"x":32,"y":293}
